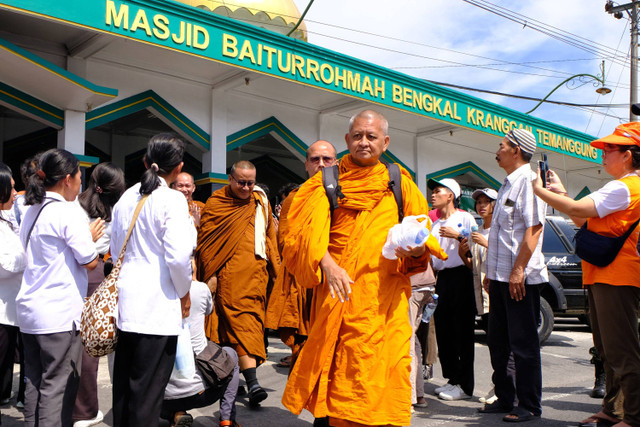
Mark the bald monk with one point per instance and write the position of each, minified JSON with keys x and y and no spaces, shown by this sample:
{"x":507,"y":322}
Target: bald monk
{"x":288,"y":308}
{"x":354,"y":369}
{"x":236,"y":254}
{"x":187,"y":185}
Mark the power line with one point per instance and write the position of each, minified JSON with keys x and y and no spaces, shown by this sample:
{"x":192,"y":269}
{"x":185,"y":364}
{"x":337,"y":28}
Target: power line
{"x":553,"y":32}
{"x":456,"y":64}
{"x":529,"y":98}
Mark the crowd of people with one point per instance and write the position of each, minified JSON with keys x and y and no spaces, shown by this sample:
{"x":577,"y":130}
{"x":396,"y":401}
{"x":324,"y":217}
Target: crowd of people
{"x":358,"y":323}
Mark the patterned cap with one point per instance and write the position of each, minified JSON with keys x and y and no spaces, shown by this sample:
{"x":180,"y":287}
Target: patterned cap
{"x":523,"y":139}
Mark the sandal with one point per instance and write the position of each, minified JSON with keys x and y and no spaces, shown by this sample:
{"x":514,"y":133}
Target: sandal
{"x":494,"y":408}
{"x":519,"y":415}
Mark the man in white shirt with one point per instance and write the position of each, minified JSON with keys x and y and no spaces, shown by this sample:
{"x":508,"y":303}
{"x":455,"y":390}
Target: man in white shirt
{"x":184,"y":394}
{"x":455,"y":316}
{"x":515,"y":268}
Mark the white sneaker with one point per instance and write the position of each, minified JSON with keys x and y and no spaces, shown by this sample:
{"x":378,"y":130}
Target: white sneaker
{"x":93,"y":421}
{"x":489,"y":397}
{"x":445,"y":387}
{"x":454,"y":393}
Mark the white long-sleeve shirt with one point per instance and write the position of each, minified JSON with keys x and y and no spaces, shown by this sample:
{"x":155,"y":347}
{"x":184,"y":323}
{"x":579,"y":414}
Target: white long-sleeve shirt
{"x":12,"y":263}
{"x":54,"y":283}
{"x":156,"y":271}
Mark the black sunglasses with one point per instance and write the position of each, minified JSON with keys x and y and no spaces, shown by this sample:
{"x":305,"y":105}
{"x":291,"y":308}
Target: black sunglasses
{"x":243,"y":183}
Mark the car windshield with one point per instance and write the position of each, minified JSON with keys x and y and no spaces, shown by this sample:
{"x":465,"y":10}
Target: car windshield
{"x":568,"y":229}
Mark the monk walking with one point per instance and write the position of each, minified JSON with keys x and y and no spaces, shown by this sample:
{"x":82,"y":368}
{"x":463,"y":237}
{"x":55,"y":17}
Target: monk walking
{"x":289,"y":304}
{"x":235,"y":256}
{"x":354,"y":369}
{"x":187,"y":185}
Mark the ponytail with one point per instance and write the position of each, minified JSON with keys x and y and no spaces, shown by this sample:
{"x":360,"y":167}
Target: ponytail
{"x":106,"y":185}
{"x":164,"y":152}
{"x":53,"y":166}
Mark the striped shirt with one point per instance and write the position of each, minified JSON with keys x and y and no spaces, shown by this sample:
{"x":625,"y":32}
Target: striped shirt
{"x":517,"y":208}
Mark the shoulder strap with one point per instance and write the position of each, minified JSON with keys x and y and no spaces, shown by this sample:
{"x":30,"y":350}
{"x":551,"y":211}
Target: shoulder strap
{"x":330,"y":182}
{"x":36,"y":219}
{"x":133,"y":222}
{"x":630,"y":230}
{"x":623,"y":236}
{"x":395,"y":185}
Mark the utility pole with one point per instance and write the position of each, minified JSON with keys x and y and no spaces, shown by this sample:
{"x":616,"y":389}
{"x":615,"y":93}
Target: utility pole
{"x":632,"y":10}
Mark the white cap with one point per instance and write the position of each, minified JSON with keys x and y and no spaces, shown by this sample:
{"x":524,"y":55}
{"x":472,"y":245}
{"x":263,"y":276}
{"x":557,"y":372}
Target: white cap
{"x":489,"y":192}
{"x":449,"y":183}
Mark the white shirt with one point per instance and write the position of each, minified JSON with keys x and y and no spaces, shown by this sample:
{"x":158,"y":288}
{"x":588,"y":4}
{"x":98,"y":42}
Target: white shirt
{"x":157,"y":269}
{"x":517,"y":208}
{"x":613,"y":197}
{"x":55,"y":282}
{"x":459,"y":221}
{"x":201,"y":305}
{"x":12,"y":263}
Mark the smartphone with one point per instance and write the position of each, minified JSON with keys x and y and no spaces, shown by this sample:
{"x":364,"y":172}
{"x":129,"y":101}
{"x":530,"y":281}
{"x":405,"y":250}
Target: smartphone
{"x":544,"y":168}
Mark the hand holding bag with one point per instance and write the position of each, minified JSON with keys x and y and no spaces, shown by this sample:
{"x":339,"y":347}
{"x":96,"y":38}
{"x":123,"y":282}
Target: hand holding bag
{"x":597,"y":249}
{"x":98,"y":322}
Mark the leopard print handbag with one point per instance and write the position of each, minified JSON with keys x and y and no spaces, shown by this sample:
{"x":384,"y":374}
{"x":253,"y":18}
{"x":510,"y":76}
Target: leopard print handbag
{"x":98,"y":321}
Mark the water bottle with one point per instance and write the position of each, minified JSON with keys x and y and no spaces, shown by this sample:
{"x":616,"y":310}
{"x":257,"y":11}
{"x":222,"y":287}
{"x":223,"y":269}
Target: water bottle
{"x":465,"y":234}
{"x":421,"y":237}
{"x":429,"y":309}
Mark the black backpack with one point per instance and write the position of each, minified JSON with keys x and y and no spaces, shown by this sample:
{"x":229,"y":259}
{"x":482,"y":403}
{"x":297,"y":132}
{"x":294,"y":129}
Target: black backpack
{"x":330,"y":181}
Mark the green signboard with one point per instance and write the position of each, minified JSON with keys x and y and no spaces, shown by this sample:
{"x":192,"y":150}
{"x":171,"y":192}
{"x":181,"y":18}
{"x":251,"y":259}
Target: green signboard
{"x":197,"y":32}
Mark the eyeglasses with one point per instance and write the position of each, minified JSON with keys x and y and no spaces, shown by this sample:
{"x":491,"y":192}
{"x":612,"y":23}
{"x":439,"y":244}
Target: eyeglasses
{"x":608,"y":150}
{"x":243,"y":183}
{"x":325,"y":159}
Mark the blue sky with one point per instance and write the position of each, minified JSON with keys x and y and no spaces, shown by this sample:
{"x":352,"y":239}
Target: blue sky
{"x":418,"y":37}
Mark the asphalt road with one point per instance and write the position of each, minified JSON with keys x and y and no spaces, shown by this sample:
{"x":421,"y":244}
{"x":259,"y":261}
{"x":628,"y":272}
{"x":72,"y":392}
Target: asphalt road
{"x":567,"y":379}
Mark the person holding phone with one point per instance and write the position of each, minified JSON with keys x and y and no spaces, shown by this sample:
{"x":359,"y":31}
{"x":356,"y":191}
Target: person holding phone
{"x":614,"y":289}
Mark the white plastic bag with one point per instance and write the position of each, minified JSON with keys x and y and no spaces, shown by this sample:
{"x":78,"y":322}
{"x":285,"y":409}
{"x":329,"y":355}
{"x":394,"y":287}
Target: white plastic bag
{"x":410,"y":232}
{"x":185,"y":364}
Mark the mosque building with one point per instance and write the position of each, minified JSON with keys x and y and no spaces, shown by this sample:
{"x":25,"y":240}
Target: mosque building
{"x":99,"y":78}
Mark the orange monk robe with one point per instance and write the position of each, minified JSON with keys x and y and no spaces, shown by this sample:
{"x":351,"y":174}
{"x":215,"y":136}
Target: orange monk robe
{"x":226,"y":248}
{"x":355,"y":365}
{"x":288,"y":305}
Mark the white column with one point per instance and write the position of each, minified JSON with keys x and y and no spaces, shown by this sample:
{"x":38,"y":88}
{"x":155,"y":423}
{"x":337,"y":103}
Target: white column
{"x":215,"y":160}
{"x":71,"y":137}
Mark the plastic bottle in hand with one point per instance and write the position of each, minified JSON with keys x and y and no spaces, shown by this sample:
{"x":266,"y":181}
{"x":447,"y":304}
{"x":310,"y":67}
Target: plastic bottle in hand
{"x":465,"y":234}
{"x":410,"y":233}
{"x":429,"y":309}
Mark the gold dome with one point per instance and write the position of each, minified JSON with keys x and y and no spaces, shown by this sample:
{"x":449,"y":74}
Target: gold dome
{"x":275,"y":15}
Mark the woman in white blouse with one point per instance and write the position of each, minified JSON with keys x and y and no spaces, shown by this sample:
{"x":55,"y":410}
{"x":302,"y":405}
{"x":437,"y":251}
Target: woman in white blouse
{"x":12,"y":264}
{"x":59,"y":248}
{"x":153,"y":285}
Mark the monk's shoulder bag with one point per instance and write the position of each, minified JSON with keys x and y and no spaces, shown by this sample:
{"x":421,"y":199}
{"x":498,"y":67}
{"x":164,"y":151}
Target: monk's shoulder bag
{"x":597,"y":249}
{"x":331,"y":183}
{"x":215,"y":365}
